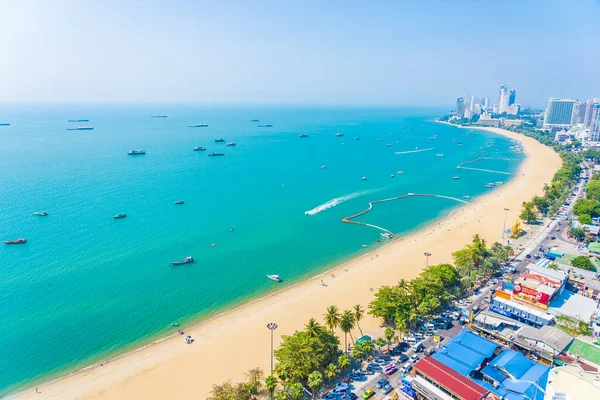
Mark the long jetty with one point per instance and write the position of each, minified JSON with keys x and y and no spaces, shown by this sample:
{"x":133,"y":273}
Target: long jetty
{"x":462,"y":165}
{"x":349,"y":220}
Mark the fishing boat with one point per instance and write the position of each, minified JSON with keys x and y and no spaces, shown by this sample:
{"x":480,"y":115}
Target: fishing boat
{"x":219,"y":140}
{"x":400,"y":172}
{"x":456,"y":178}
{"x":364,"y":178}
{"x":198,"y":126}
{"x":4,"y":124}
{"x":364,"y":245}
{"x":84,"y":128}
{"x":174,"y":323}
{"x":499,"y":183}
{"x":304,"y":135}
{"x":199,"y":148}
{"x":230,"y":144}
{"x":489,"y":185}
{"x":187,"y":260}
{"x":386,"y":235}
{"x":265,"y":126}
{"x":119,"y":216}
{"x":410,"y":194}
{"x":323,"y":166}
{"x":180,"y":202}
{"x":275,"y":278}
{"x":339,"y":134}
{"x":392,"y":175}
{"x":356,"y":138}
{"x":136,"y":152}
{"x":440,"y":155}
{"x":213,"y":154}
{"x":79,"y":120}
{"x":158,"y":116}
{"x":18,"y":241}
{"x":253,"y":120}
{"x":466,"y":197}
{"x":41,"y":213}
{"x":389,"y":145}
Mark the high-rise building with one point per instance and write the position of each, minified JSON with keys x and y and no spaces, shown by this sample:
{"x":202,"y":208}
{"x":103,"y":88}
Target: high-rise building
{"x":468,"y":113}
{"x":503,"y":100}
{"x":512,"y":96}
{"x":486,"y":104}
{"x":595,"y":123}
{"x":559,"y":113}
{"x":495,"y":109}
{"x":472,"y":103}
{"x":589,"y":109}
{"x":460,"y":106}
{"x":578,"y":113}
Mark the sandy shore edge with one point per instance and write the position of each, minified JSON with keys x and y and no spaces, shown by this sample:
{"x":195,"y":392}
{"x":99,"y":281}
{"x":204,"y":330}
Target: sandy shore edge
{"x":237,"y":340}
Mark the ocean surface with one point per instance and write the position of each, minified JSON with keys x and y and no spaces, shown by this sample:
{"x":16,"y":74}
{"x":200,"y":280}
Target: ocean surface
{"x":86,"y":286}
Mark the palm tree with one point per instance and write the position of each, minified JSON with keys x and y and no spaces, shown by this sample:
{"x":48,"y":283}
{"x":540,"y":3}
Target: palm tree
{"x":271,"y":384}
{"x":331,"y":371}
{"x":359,"y":313}
{"x":296,"y":391}
{"x":389,"y":335}
{"x":312,"y":328}
{"x":281,"y":395}
{"x":347,"y":324}
{"x":368,"y":347}
{"x":332,"y":317}
{"x":315,"y":380}
{"x":343,"y":362}
{"x":358,"y":351}
{"x":380,"y":342}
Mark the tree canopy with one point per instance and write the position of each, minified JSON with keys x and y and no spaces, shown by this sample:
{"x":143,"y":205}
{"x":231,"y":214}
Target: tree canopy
{"x":583,"y":262}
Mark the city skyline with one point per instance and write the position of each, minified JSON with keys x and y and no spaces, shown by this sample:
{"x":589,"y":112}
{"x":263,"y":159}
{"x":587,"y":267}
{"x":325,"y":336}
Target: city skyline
{"x":335,"y":53}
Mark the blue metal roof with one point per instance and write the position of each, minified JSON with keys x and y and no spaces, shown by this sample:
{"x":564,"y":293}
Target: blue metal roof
{"x":465,"y":352}
{"x":453,"y":363}
{"x":493,"y":373}
{"x":476,"y":343}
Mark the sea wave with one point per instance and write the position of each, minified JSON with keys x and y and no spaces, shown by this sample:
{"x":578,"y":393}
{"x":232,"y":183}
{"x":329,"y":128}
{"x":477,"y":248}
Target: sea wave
{"x":337,"y":200}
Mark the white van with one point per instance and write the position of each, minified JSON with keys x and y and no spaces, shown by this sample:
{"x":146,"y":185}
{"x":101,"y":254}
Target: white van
{"x":410,"y":340}
{"x":430,"y":327}
{"x":406,"y":368}
{"x":417,"y":346}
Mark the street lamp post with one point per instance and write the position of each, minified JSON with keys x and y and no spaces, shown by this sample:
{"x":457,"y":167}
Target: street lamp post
{"x":272,"y":326}
{"x":427,"y":254}
{"x":504,"y":227}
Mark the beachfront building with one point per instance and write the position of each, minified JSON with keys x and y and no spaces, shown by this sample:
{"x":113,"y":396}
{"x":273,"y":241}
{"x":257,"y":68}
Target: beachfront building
{"x":504,"y":99}
{"x":486,"y":104}
{"x":595,"y":123}
{"x":487,"y":120}
{"x":460,"y":107}
{"x":511,"y":122}
{"x":558,"y":113}
{"x":472,"y":367}
{"x":578,"y":113}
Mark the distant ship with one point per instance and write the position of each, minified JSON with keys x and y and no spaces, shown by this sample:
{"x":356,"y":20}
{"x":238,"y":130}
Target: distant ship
{"x":81,"y":128}
{"x":230,"y":144}
{"x":4,"y":124}
{"x":213,"y":154}
{"x":339,"y":134}
{"x":440,"y":155}
{"x":275,"y":278}
{"x":323,"y":166}
{"x":386,"y":235}
{"x":119,"y":216}
{"x":158,"y":116}
{"x":79,"y":120}
{"x":304,"y":135}
{"x":186,"y":260}
{"x":180,"y":202}
{"x":356,"y":138}
{"x":136,"y":152}
{"x":456,"y":178}
{"x":18,"y":241}
{"x":253,"y":120}
{"x":41,"y":213}
{"x":199,"y":148}
{"x":265,"y":126}
{"x":198,"y":126}
{"x":220,"y":140}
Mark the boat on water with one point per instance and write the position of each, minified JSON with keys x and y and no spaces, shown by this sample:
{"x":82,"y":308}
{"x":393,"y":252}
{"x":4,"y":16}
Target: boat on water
{"x":213,"y":154}
{"x":275,"y":278}
{"x":364,"y":245}
{"x":84,"y":128}
{"x":364,"y":178}
{"x":198,"y":126}
{"x":158,"y":116}
{"x":41,"y":213}
{"x":389,"y":145}
{"x":392,"y":175}
{"x":230,"y":144}
{"x":4,"y":124}
{"x":339,"y":134}
{"x":253,"y":120}
{"x":490,"y":185}
{"x":220,"y":140}
{"x":304,"y":135}
{"x":323,"y":166}
{"x":174,"y":323}
{"x":456,"y":178}
{"x":440,"y":155}
{"x":187,"y":260}
{"x":119,"y":216}
{"x":386,"y":235}
{"x":265,"y":126}
{"x":499,"y":183}
{"x":199,"y":148}
{"x":139,"y":152}
{"x":410,"y":194}
{"x":466,"y":197}
{"x":400,"y":172}
{"x":79,"y":120}
{"x":18,"y":241}
{"x":180,"y":202}
{"x":356,"y":138}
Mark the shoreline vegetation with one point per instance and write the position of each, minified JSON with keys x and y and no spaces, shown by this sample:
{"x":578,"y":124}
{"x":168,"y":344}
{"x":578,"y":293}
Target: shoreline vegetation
{"x":238,"y":341}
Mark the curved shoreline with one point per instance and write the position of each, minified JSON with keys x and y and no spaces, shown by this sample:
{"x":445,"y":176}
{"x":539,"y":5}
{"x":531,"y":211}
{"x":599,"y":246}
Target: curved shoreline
{"x":166,"y":366}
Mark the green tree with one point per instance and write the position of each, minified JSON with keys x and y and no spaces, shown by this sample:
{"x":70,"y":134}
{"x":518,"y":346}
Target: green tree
{"x":254,"y":380}
{"x":281,"y":395}
{"x":346,"y":325}
{"x":332,"y":317}
{"x":343,"y":362}
{"x":271,"y":384}
{"x":295,"y":391}
{"x":542,"y":204}
{"x":585,"y":219}
{"x":528,"y":213}
{"x":583,"y":262}
{"x":578,"y":233}
{"x":389,"y":335}
{"x":367,"y":347}
{"x":590,"y":207}
{"x":359,"y":313}
{"x":380,"y":342}
{"x":592,"y":190}
{"x":331,"y":371}
{"x":313,"y":328}
{"x":315,"y":380}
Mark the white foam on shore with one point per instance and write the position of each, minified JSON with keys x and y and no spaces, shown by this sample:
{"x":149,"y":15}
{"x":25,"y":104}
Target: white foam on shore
{"x":337,"y":200}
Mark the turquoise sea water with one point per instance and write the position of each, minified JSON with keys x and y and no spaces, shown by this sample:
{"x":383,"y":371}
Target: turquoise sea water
{"x":86,"y":286}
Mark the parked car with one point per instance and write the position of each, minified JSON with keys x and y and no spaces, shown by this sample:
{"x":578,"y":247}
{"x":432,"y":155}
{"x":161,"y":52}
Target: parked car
{"x":430,"y":350}
{"x":406,"y":368}
{"x":341,"y":387}
{"x":381,"y":383}
{"x":402,"y":358}
{"x":367,"y":394}
{"x":355,"y":376}
{"x":387,"y":388}
{"x":390,"y":371}
{"x":414,"y":358}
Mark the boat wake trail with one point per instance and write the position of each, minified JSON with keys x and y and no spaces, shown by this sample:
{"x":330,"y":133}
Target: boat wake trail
{"x":335,"y":201}
{"x":415,"y":151}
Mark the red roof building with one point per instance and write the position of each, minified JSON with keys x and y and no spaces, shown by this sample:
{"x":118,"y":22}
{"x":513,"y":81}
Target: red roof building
{"x":434,"y":380}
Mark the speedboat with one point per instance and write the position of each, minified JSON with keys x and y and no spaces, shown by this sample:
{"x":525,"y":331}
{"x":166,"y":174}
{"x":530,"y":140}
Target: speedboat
{"x":230,"y":144}
{"x":364,"y":178}
{"x":386,"y":235}
{"x":219,"y":140}
{"x":84,"y":128}
{"x":364,"y":245}
{"x":136,"y":152}
{"x":187,"y":260}
{"x":158,"y":116}
{"x":265,"y":126}
{"x":275,"y":278}
{"x":79,"y":120}
{"x":323,"y":166}
{"x":253,"y":120}
{"x":4,"y":124}
{"x":356,"y":138}
{"x":119,"y":216}
{"x":199,"y":148}
{"x":456,"y":178}
{"x":213,"y":154}
{"x":304,"y":135}
{"x":339,"y":134}
{"x":392,"y":175}
{"x":440,"y":155}
{"x":180,"y":202}
{"x":400,"y":172}
{"x":18,"y":241}
{"x":198,"y":126}
{"x":389,"y":145}
{"x":41,"y":213}
{"x":466,"y":197}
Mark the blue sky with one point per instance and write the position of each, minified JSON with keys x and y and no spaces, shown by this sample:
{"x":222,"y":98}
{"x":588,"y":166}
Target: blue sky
{"x":407,"y":52}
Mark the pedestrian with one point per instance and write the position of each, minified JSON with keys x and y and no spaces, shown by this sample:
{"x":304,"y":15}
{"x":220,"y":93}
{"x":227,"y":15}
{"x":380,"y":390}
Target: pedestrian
{"x":36,"y":390}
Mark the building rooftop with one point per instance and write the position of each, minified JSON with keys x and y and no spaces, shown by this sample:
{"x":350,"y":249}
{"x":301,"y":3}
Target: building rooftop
{"x":456,"y":383}
{"x":465,"y":352}
{"x":553,"y":337}
{"x":523,"y":377}
{"x":532,"y":311}
{"x":549,"y":273}
{"x":595,"y":247}
{"x":573,"y":305}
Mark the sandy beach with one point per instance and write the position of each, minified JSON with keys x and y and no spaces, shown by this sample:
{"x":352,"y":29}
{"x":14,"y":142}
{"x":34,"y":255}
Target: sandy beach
{"x":228,"y":345}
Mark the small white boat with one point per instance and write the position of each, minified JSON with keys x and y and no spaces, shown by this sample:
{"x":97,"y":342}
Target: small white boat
{"x":456,"y":178}
{"x":440,"y":155}
{"x":392,"y":175}
{"x":323,"y":166}
{"x":339,"y":134}
{"x":275,"y":278}
{"x":41,"y":213}
{"x":364,"y":245}
{"x":386,"y":235}
{"x":466,"y":197}
{"x":400,"y":172}
{"x":364,"y":178}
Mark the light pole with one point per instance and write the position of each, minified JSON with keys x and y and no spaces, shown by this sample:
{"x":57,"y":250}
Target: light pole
{"x":427,"y":254}
{"x":272,"y":326}
{"x":504,"y":227}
